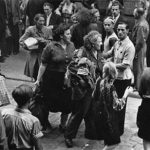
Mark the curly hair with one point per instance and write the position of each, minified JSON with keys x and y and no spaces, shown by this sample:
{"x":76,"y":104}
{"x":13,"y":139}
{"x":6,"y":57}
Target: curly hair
{"x":91,"y":38}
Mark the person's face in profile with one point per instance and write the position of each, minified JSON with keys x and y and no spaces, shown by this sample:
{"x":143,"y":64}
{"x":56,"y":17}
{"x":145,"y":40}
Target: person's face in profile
{"x":40,"y":22}
{"x":67,"y":35}
{"x":98,"y":43}
{"x":97,"y":16}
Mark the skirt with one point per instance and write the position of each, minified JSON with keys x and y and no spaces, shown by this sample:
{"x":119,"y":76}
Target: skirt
{"x":143,"y":120}
{"x":32,"y":64}
{"x":57,"y":97}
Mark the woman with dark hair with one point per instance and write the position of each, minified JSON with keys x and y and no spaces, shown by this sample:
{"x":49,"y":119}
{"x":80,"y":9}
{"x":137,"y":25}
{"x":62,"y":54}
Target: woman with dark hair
{"x":143,"y":114}
{"x":42,"y":35}
{"x":55,"y":58}
{"x":84,"y":26}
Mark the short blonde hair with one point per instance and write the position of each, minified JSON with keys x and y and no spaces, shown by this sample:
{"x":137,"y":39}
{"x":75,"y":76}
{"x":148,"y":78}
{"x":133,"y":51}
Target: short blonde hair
{"x":109,"y":70}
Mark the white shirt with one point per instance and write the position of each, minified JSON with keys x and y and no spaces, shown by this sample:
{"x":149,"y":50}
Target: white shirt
{"x":124,"y":54}
{"x":48,"y":19}
{"x":116,"y":18}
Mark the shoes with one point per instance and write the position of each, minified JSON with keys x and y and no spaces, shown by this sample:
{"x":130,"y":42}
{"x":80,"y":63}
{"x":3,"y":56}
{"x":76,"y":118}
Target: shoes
{"x":62,"y":129}
{"x":69,"y":143}
{"x":47,"y":129}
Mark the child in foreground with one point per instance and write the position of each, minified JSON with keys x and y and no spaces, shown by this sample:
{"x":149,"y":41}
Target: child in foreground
{"x":109,"y":106}
{"x":23,"y":130}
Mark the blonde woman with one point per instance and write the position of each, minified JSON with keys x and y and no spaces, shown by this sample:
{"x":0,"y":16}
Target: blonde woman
{"x":109,"y":105}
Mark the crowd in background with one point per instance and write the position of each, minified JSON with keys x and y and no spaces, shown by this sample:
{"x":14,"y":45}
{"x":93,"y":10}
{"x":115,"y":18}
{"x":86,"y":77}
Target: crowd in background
{"x":86,"y":56}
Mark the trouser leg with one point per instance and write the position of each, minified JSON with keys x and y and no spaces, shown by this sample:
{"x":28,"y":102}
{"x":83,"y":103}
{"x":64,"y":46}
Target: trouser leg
{"x":121,"y":86}
{"x":16,"y":39}
{"x":63,"y":119}
{"x":74,"y":121}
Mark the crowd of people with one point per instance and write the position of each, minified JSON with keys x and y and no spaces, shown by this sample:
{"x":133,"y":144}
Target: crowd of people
{"x":84,"y":60}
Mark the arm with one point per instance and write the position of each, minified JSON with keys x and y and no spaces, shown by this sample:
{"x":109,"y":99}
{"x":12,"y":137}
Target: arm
{"x":26,"y":35}
{"x":36,"y":135}
{"x":127,"y":58}
{"x":40,"y":73}
{"x":46,"y":56}
{"x":109,"y":53}
{"x":112,"y":41}
{"x":140,"y":40}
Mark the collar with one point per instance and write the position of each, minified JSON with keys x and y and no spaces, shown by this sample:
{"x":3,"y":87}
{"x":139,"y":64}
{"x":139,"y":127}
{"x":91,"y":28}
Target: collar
{"x":23,"y":110}
{"x":49,"y":15}
{"x":116,"y":18}
{"x":124,"y":41}
{"x":139,"y":20}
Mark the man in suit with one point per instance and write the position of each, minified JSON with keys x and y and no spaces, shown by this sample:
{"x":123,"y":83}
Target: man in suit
{"x":117,"y":16}
{"x":52,"y":20}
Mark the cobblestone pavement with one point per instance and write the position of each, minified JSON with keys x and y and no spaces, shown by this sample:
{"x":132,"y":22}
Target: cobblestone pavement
{"x":13,"y":68}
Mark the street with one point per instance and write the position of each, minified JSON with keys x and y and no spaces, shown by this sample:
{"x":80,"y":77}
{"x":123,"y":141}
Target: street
{"x":13,"y":68}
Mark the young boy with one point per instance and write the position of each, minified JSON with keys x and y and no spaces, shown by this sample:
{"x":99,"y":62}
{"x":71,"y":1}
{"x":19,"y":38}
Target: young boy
{"x":23,"y":130}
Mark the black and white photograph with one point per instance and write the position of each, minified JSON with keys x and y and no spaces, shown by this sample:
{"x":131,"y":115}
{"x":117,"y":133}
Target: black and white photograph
{"x":74,"y":74}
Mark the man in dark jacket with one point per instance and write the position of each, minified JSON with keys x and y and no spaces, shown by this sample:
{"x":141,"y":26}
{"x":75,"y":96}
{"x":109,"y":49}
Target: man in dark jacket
{"x":52,"y":20}
{"x":117,"y":16}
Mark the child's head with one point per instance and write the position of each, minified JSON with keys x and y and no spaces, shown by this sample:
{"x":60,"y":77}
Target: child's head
{"x":22,"y":94}
{"x":109,"y":70}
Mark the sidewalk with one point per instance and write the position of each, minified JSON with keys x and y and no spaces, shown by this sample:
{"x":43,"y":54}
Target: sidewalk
{"x":14,"y":67}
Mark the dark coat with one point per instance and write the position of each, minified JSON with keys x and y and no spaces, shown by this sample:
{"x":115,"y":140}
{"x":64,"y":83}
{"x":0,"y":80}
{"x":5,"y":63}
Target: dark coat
{"x":55,"y":20}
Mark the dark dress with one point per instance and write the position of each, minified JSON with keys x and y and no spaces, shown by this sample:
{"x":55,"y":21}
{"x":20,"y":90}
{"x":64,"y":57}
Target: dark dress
{"x":56,"y":95}
{"x":143,"y":115}
{"x":108,"y":119}
{"x":143,"y":121}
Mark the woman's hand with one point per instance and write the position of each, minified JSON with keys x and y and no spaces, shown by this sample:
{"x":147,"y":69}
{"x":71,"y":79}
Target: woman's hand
{"x":128,"y":90}
{"x":22,"y":45}
{"x":41,"y":40}
{"x":37,"y":83}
